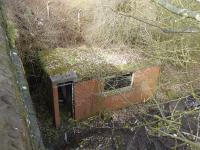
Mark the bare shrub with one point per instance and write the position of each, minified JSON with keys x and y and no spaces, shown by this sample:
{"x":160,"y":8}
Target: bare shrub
{"x":109,"y":28}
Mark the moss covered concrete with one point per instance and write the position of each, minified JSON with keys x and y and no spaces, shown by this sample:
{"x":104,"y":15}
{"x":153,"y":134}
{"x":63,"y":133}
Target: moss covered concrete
{"x":90,"y":62}
{"x":18,"y":125}
{"x":13,"y":133}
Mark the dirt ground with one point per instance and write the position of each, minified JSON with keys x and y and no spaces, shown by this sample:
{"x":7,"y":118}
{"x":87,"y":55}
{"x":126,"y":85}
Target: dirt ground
{"x":13,"y":135}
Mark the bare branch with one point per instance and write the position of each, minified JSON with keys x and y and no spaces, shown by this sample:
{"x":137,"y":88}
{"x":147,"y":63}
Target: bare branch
{"x":179,"y":11}
{"x":187,"y":30}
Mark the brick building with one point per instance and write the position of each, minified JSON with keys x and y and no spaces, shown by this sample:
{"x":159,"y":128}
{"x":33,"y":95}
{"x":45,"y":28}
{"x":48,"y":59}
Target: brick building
{"x":85,"y":80}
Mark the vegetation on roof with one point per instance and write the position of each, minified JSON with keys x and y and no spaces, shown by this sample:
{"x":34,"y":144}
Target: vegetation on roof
{"x":89,"y":62}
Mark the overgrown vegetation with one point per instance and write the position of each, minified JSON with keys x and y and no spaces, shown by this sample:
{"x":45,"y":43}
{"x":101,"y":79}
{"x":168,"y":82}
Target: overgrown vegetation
{"x":140,"y":25}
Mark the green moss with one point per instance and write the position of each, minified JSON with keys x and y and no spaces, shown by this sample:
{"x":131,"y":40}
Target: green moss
{"x":2,"y":45}
{"x":12,"y":33}
{"x":171,"y":94}
{"x":86,"y":62}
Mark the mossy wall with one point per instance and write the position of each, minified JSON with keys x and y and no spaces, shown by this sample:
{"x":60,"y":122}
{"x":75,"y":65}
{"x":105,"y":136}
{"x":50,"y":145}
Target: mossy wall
{"x":22,"y":91}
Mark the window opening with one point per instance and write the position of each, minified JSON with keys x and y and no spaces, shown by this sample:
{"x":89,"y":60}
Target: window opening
{"x":118,"y":82}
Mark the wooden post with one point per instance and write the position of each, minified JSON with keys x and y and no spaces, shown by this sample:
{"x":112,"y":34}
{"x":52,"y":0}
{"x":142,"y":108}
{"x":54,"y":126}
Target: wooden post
{"x":56,"y":107}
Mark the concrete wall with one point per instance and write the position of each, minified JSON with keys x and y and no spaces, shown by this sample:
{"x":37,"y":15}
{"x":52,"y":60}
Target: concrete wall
{"x":18,"y":125}
{"x":13,"y":131}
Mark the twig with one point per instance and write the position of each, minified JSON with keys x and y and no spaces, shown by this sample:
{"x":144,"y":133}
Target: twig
{"x":187,"y":30}
{"x":193,"y":136}
{"x":195,"y":145}
{"x":79,"y":20}
{"x":48,"y":10}
{"x":179,"y":11}
{"x":198,"y":127}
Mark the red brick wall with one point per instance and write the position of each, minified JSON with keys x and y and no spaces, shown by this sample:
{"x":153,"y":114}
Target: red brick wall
{"x":144,"y":86}
{"x":85,"y":96}
{"x":89,"y":100}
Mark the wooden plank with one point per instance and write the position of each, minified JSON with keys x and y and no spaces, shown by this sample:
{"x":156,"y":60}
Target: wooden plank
{"x":56,"y":107}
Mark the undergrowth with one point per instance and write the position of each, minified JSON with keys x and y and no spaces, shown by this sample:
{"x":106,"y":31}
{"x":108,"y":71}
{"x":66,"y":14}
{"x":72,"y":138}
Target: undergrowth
{"x":42,"y":25}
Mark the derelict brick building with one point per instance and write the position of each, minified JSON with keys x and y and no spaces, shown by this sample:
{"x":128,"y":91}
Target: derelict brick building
{"x":88,"y":80}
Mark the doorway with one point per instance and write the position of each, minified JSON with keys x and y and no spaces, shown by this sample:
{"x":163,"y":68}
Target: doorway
{"x":66,"y":103}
